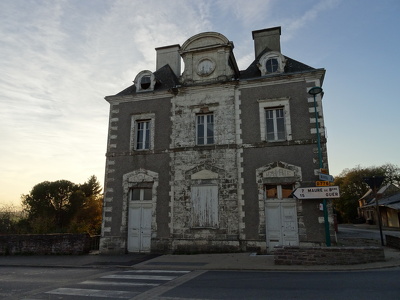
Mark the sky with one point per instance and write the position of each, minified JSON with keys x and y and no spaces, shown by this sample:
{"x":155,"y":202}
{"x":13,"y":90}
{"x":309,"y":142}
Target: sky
{"x":60,"y":58}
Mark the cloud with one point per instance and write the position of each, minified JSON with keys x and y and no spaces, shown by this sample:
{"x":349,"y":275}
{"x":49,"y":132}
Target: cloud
{"x":60,"y":58}
{"x":247,"y":13}
{"x":296,"y":23}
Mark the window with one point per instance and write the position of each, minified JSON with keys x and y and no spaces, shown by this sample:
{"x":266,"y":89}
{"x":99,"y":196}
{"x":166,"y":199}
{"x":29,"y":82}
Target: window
{"x":275,"y":122}
{"x":141,"y":194}
{"x":143,"y":135}
{"x":205,"y":206}
{"x":205,"y":129}
{"x":142,"y":132}
{"x":145,"y":82}
{"x":279,"y":191}
{"x":272,"y":65}
{"x":271,"y":62}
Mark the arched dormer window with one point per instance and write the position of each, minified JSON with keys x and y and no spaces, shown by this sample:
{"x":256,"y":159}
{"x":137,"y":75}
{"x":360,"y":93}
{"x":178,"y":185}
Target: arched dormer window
{"x":271,"y":62}
{"x":145,"y":81}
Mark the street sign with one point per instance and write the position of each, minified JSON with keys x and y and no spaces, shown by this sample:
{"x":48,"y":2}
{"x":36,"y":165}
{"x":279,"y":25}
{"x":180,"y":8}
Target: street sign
{"x":322,"y":183}
{"x":324,"y":171}
{"x":326,"y":177}
{"x":317,"y":192}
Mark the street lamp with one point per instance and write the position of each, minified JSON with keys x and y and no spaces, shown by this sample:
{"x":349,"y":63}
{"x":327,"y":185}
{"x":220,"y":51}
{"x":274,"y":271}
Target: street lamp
{"x":314,"y":92}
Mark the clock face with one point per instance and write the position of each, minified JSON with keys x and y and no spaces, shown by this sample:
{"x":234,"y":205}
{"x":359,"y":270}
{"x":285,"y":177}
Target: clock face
{"x":205,"y":67}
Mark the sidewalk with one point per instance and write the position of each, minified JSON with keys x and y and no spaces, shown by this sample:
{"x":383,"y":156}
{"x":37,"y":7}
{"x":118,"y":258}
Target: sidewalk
{"x":229,"y":261}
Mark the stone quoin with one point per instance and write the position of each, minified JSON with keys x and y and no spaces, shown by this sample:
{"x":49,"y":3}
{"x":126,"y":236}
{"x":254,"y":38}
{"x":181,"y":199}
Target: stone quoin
{"x":207,"y":160}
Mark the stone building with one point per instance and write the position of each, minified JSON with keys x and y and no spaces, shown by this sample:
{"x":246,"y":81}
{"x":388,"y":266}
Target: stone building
{"x":206,"y":160}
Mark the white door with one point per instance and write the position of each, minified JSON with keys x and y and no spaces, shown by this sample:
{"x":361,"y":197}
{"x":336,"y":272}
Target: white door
{"x":139,"y":222}
{"x":281,"y":224}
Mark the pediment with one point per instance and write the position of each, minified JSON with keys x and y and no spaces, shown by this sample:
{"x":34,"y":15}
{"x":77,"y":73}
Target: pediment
{"x":278,"y":172}
{"x":204,"y":174}
{"x":204,"y":40}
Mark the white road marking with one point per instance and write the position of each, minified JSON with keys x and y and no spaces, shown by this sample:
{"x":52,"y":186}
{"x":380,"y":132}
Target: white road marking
{"x":136,"y":278}
{"x":157,"y":271}
{"x":144,"y":277}
{"x":115,"y":283}
{"x":93,"y":293}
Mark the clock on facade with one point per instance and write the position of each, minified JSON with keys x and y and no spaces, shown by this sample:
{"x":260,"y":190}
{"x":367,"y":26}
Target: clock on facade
{"x":205,"y":67}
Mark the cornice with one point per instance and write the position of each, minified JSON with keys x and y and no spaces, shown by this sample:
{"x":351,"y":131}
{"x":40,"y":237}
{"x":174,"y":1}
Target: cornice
{"x":281,"y":79}
{"x":138,"y":97}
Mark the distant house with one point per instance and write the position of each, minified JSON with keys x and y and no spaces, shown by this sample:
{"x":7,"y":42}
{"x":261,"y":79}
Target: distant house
{"x":207,"y":160}
{"x":389,"y":206}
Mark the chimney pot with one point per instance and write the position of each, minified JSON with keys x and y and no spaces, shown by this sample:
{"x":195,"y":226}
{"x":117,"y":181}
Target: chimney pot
{"x":267,"y":38}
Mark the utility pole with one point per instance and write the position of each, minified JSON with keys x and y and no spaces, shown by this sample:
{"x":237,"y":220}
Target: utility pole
{"x":374,"y":183}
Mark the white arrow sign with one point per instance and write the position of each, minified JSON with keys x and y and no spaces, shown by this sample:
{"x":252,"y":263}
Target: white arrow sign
{"x":318,"y":192}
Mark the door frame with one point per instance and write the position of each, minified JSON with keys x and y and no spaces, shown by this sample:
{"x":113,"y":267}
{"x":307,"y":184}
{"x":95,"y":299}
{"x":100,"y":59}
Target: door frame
{"x":140,"y":178}
{"x":281,"y":202}
{"x":142,"y":247}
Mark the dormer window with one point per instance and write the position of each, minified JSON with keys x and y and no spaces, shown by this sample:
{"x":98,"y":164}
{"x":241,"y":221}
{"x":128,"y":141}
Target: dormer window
{"x":271,"y":62}
{"x":272,"y":65}
{"x":145,"y":81}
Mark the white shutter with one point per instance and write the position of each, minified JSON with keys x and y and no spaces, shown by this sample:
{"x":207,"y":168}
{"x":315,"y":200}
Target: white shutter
{"x":205,"y":206}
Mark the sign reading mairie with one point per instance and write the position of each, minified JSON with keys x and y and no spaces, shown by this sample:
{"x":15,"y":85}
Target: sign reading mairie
{"x":278,"y":172}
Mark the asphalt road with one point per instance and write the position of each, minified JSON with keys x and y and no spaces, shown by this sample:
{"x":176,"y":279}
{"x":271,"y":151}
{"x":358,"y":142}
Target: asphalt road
{"x":364,"y":232}
{"x":86,"y":283}
{"x":21,"y":282}
{"x":290,"y":285}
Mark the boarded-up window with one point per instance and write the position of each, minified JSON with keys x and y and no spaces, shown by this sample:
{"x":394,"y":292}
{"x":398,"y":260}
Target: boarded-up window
{"x":271,"y":191}
{"x":205,"y":206}
{"x":287,"y":190}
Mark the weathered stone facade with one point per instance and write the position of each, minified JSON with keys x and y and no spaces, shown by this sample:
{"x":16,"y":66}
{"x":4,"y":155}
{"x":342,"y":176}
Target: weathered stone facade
{"x":206,"y":160}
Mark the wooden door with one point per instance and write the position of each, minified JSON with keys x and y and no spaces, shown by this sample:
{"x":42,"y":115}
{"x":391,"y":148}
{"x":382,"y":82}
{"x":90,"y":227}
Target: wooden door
{"x":281,"y":224}
{"x":139,"y":221}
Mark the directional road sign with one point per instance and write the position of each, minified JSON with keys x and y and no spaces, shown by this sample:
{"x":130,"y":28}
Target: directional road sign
{"x":318,"y":192}
{"x":325,"y":177}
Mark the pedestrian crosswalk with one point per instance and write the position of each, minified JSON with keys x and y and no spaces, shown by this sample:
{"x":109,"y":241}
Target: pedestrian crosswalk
{"x":120,"y":285}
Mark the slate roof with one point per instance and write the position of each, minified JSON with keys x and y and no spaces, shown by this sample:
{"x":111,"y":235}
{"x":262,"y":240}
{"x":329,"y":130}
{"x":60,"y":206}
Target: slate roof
{"x":165,"y":79}
{"x":391,"y":201}
{"x":292,"y":66}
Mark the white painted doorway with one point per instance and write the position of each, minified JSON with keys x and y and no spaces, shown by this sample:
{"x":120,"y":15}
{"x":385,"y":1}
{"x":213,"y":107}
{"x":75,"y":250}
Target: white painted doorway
{"x":281,"y":217}
{"x":139,"y":220}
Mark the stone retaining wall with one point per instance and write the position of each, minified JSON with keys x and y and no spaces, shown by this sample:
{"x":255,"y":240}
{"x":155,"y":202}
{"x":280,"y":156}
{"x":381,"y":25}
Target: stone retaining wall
{"x":392,"y":241}
{"x":44,"y":244}
{"x":291,"y":255}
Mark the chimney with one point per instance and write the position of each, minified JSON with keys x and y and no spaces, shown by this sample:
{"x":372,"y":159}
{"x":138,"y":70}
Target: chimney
{"x":169,"y":55}
{"x":267,"y":38}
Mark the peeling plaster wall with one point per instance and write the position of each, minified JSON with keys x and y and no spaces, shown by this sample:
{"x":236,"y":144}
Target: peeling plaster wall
{"x":188,"y":159}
